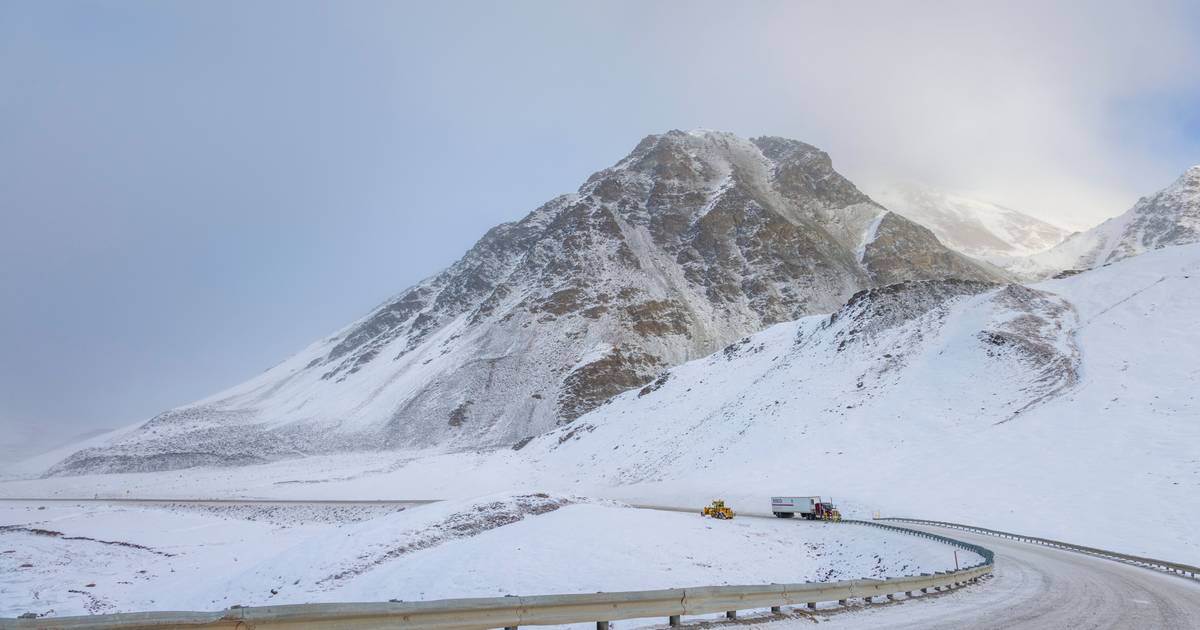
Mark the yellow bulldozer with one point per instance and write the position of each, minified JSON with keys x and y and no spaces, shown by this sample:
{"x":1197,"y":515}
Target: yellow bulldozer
{"x":718,"y":509}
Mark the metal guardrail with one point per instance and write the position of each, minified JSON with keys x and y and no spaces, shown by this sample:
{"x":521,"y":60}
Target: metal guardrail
{"x":1185,"y":570}
{"x":989,"y":557}
{"x":510,"y":612}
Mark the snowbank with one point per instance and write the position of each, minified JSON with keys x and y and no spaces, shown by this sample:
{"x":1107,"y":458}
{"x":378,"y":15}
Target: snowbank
{"x":189,"y":559}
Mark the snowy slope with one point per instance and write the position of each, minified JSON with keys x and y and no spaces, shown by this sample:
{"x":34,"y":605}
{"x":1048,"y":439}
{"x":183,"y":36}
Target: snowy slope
{"x":976,"y":228}
{"x":692,"y":241}
{"x":1168,"y":217}
{"x":36,"y":465}
{"x":31,"y":439}
{"x":1068,"y":410}
{"x":863,"y":385}
{"x":185,"y":558}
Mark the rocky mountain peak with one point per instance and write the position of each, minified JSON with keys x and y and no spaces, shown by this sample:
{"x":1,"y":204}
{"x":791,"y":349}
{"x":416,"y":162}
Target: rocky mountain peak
{"x":1168,"y":217}
{"x":693,"y":240}
{"x":1180,"y":195}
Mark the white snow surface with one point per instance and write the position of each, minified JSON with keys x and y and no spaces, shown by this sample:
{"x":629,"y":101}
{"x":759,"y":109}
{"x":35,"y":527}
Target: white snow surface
{"x":1083,"y":425}
{"x":949,"y":427}
{"x":215,"y":557}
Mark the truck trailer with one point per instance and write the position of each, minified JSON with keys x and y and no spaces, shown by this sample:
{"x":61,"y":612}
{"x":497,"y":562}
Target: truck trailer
{"x":787,"y":507}
{"x":811,"y":508}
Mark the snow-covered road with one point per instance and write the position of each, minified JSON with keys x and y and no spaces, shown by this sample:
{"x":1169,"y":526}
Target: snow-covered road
{"x":1033,"y":587}
{"x":1037,"y":588}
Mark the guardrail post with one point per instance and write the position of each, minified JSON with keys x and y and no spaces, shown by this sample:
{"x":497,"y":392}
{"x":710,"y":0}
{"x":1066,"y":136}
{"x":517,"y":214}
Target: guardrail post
{"x":673,"y":620}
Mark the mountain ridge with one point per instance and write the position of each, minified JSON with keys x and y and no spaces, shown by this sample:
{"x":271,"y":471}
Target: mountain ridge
{"x":1168,"y":217}
{"x":691,"y":241}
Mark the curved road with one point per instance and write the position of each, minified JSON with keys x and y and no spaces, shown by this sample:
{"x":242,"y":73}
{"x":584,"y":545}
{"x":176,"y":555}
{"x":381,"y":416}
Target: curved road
{"x":1036,"y":587}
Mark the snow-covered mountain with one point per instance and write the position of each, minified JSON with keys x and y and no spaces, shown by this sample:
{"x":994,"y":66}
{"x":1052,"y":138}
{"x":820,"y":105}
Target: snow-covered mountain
{"x":976,"y":228}
{"x":894,"y":363}
{"x":1067,"y":409}
{"x":1168,"y":217}
{"x":692,"y":241}
{"x":1030,"y":409}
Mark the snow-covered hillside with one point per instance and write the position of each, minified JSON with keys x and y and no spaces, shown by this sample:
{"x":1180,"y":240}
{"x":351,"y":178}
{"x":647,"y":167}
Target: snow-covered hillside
{"x":1168,"y":217}
{"x":64,"y":559}
{"x":976,"y":228}
{"x":1069,"y":409}
{"x":692,"y":241}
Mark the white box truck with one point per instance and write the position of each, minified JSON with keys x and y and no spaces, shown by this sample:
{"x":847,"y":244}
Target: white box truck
{"x":787,"y":507}
{"x":811,"y":508}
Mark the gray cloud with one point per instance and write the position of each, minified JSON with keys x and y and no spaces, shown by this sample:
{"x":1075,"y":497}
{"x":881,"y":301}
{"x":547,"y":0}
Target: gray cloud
{"x":191,"y":191}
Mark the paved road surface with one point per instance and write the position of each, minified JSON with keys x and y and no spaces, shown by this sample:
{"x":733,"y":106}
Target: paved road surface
{"x":1033,"y":587}
{"x":1040,"y":588}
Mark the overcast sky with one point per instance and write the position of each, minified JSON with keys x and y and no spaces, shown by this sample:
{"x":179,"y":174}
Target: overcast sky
{"x":192,"y":191}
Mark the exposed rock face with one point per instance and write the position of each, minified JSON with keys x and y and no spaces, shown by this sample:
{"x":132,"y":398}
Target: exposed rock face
{"x":1168,"y":217}
{"x":1035,"y":330}
{"x":900,"y":250}
{"x":692,"y":241}
{"x":941,"y":356}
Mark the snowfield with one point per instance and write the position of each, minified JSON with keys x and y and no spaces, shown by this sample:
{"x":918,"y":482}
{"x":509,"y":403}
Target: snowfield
{"x":67,"y":559}
{"x":964,"y":431}
{"x":1067,"y":409}
{"x":1081,"y":424}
